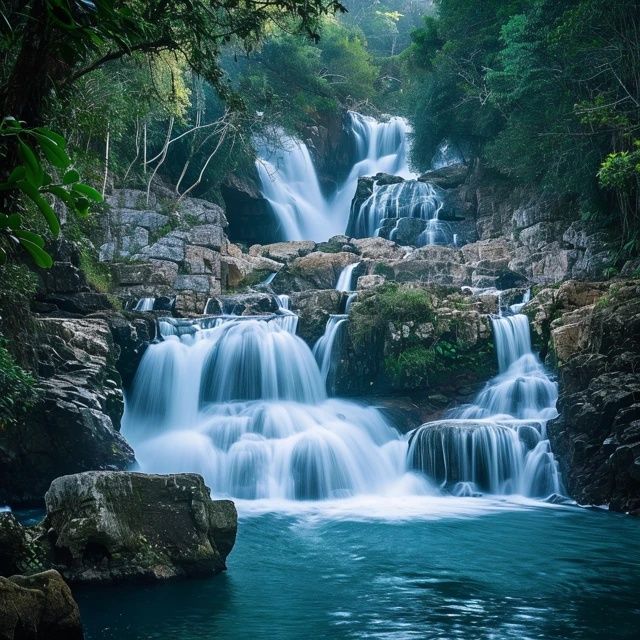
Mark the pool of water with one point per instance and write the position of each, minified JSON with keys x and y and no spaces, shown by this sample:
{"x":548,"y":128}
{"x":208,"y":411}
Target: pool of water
{"x":447,"y":568}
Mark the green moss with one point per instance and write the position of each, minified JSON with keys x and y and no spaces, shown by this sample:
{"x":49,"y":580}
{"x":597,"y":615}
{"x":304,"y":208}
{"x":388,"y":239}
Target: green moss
{"x":437,"y":364}
{"x":98,"y":275}
{"x":389,"y":303}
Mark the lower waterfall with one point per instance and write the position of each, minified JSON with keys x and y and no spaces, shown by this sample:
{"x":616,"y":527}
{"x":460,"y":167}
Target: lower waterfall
{"x":242,"y":401}
{"x":244,"y":404}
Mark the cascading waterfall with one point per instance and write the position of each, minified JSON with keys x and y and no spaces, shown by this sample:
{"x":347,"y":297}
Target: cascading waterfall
{"x":289,"y":181}
{"x":242,"y":402}
{"x":345,"y":279}
{"x":409,"y":199}
{"x":323,"y":349}
{"x":145,"y":304}
{"x":499,"y":443}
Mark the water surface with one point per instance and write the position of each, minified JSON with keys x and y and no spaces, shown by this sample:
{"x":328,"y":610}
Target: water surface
{"x":465,"y":568}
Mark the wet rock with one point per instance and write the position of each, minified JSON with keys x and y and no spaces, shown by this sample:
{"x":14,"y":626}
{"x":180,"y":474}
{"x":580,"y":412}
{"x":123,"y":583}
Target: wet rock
{"x":314,"y":309}
{"x":116,"y":526}
{"x":38,"y":607}
{"x":379,"y":249}
{"x":317,"y":270}
{"x":283,"y":251}
{"x":244,"y":304}
{"x":446,"y":177}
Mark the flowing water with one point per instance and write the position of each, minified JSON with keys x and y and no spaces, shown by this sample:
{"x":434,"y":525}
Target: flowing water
{"x":289,"y":180}
{"x":499,"y":443}
{"x":145,"y":304}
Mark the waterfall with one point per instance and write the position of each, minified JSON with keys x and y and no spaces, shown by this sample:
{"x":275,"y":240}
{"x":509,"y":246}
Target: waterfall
{"x":289,"y":180}
{"x":323,"y":348}
{"x":405,"y":200}
{"x":345,"y":280}
{"x":446,"y":155}
{"x":145,"y":304}
{"x":497,"y":444}
{"x":243,"y":402}
{"x":289,"y":320}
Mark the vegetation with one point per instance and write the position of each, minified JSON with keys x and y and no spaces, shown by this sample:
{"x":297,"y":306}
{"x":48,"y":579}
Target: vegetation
{"x":547,"y":92}
{"x":18,"y":388}
{"x":419,"y":343}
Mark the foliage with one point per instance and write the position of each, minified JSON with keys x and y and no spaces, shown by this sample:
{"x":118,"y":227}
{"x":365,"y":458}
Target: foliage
{"x":38,"y":150}
{"x":18,"y":388}
{"x":546,"y":92}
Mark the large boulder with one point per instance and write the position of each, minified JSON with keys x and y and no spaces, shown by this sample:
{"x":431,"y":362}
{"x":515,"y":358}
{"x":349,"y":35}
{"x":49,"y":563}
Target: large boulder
{"x":38,"y":607}
{"x":283,"y":251}
{"x":114,"y":526}
{"x":317,"y":270}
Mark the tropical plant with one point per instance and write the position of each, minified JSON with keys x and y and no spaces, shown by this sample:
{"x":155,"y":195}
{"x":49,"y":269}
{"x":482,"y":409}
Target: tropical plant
{"x":29,"y":184}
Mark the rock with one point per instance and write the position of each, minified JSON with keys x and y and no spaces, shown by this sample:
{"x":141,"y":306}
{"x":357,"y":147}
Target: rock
{"x":170,"y":247}
{"x":369,"y":282}
{"x":379,"y":249}
{"x":116,"y":526}
{"x":446,"y":177}
{"x":244,"y":304}
{"x":202,"y":212}
{"x":131,"y":199}
{"x":38,"y":607}
{"x":154,"y":272}
{"x":313,"y":309}
{"x":316,"y":270}
{"x":283,"y":251}
{"x":73,"y":426}
{"x":595,"y":337}
{"x":207,"y":235}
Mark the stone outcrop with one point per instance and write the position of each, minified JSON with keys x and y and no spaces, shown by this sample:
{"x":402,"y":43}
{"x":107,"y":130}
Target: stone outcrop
{"x":110,"y":526}
{"x":317,"y":270}
{"x":409,"y":337}
{"x":313,"y":309}
{"x":591,"y":333}
{"x":38,"y":607}
{"x":175,"y":247}
{"x":74,"y":424}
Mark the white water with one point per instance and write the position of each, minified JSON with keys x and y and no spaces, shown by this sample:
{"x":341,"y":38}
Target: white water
{"x":289,"y":180}
{"x":324,"y":348}
{"x":499,"y":443}
{"x":244,"y":404}
{"x":409,"y":199}
{"x":145,"y":304}
{"x":345,"y":279}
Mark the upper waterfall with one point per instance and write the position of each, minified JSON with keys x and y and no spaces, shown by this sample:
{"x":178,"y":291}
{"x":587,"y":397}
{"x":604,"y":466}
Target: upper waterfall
{"x":289,"y":179}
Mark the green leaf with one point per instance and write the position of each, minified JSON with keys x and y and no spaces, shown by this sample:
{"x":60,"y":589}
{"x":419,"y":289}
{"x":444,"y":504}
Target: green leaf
{"x":88,"y":191}
{"x":33,"y":168}
{"x":39,"y":255}
{"x":13,"y":221}
{"x":61,"y":193}
{"x":70,"y":177}
{"x":30,"y":236}
{"x":17,"y":174}
{"x":53,"y":136}
{"x":53,"y":152}
{"x":82,"y":206}
{"x":45,"y":208}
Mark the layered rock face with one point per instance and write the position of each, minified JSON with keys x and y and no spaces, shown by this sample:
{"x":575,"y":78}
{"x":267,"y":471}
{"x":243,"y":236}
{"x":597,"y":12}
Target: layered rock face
{"x":175,"y":247}
{"x":75,"y":424}
{"x":105,"y":526}
{"x":38,"y":607}
{"x":591,"y":332}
